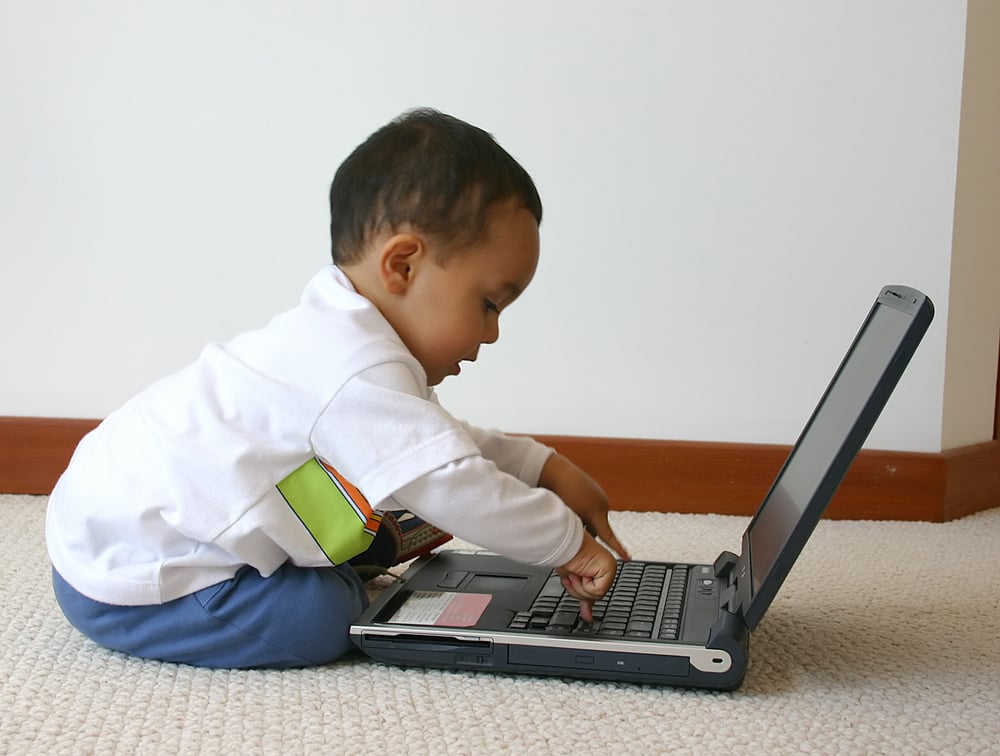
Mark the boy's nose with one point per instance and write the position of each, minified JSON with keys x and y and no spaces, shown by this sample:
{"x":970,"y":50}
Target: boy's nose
{"x":492,"y":333}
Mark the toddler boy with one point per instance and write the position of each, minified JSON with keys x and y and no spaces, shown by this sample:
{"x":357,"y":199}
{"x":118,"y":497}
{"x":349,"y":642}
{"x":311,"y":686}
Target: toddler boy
{"x":211,"y":520}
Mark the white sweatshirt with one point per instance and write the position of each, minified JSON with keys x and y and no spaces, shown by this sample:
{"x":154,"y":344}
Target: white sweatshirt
{"x":177,"y":490}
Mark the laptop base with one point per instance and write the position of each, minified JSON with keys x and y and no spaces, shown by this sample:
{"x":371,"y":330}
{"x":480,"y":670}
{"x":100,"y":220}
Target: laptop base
{"x":452,"y":611}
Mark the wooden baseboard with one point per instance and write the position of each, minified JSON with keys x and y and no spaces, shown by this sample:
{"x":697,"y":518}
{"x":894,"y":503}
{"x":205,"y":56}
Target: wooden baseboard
{"x":724,"y":478}
{"x":35,"y":450}
{"x":660,"y":476}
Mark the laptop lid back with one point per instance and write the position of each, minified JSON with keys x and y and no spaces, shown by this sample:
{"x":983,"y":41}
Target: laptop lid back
{"x":824,"y":451}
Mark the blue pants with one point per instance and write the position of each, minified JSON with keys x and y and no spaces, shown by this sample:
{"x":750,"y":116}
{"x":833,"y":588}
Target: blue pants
{"x":297,"y":617}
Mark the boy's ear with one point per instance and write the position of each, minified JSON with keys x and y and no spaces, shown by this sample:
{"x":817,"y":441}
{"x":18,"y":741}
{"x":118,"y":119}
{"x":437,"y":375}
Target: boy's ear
{"x":397,"y":261}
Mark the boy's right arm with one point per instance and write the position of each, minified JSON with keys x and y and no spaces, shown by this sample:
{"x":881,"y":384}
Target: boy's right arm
{"x":406,"y":452}
{"x":588,"y":575}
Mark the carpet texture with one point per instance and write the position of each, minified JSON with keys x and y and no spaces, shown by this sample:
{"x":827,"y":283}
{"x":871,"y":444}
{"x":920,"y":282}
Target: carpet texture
{"x":883,"y":640}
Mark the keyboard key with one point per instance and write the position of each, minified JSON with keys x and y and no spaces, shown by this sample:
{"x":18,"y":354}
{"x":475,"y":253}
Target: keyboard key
{"x":553,"y":587}
{"x":564,"y":618}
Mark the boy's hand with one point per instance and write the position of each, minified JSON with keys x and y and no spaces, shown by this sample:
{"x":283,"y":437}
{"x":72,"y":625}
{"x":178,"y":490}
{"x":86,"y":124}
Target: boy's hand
{"x":581,"y":493}
{"x":588,"y":575}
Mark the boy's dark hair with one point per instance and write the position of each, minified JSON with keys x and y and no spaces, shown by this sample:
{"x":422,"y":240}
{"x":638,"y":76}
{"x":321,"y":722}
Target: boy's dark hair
{"x":430,"y":170}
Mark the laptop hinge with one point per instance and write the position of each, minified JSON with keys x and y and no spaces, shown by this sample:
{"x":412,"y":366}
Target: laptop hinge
{"x":725,"y":570}
{"x":724,"y":565}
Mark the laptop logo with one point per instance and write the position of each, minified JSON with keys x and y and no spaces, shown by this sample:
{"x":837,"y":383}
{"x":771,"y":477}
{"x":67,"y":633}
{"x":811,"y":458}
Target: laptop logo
{"x":901,"y":297}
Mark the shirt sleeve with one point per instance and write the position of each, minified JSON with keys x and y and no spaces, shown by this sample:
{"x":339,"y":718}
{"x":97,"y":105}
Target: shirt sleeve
{"x":385,"y":432}
{"x":382,"y":431}
{"x":520,"y":456}
{"x":474,"y":500}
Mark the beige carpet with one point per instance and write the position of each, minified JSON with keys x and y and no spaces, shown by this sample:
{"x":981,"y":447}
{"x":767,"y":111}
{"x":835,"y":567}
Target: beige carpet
{"x":885,"y":639}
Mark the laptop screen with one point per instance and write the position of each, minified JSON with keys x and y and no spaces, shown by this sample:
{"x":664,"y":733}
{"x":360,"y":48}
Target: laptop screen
{"x":831,"y":439}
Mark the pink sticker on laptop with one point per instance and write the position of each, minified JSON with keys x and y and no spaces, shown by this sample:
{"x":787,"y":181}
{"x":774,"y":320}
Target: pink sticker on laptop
{"x":440,"y":608}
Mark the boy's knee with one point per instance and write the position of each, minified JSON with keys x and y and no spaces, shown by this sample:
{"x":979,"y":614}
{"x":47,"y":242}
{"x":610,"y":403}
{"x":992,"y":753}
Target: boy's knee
{"x":321,"y":632}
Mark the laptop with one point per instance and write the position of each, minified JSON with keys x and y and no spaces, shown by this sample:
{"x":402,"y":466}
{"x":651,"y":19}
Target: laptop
{"x":662,"y":621}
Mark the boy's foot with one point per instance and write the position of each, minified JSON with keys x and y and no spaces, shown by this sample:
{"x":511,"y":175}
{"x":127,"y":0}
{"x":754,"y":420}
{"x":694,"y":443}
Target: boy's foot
{"x":402,"y":536}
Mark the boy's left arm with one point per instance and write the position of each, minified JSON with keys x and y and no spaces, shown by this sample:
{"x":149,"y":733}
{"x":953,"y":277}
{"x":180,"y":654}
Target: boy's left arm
{"x":583,"y":495}
{"x":542,"y":466}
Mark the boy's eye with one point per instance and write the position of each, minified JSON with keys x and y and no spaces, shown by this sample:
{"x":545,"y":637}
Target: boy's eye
{"x":490,"y":306}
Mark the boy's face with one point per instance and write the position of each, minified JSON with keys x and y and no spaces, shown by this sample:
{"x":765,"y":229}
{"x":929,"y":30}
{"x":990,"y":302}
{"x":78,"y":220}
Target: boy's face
{"x":450,"y":310}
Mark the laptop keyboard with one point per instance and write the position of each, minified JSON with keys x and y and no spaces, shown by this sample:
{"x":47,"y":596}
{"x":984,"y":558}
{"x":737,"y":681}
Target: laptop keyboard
{"x":635,"y":607}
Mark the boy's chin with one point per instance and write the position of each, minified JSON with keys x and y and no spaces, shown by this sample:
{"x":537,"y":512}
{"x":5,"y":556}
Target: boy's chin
{"x":435,"y":377}
{"x":454,"y":370}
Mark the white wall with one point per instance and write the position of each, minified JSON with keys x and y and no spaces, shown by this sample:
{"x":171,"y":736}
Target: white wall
{"x":726,"y":187}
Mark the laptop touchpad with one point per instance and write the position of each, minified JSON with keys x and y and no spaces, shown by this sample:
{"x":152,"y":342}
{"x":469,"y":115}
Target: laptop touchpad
{"x":495,"y":583}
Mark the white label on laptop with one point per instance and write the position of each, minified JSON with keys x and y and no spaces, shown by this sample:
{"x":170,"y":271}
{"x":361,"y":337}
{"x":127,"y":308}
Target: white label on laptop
{"x":441,"y":608}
